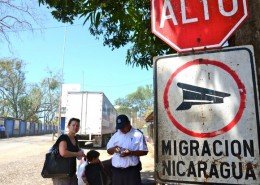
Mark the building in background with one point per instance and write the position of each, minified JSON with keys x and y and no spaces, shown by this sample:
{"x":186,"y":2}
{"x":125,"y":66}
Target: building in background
{"x":66,"y":88}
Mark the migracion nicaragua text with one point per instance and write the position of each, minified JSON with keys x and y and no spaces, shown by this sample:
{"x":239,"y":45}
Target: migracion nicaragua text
{"x":217,"y":151}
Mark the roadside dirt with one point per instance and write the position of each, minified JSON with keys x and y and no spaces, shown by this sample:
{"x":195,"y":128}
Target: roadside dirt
{"x":21,"y":160}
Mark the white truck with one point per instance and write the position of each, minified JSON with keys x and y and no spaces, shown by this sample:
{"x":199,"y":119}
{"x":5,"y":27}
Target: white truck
{"x":97,"y":116}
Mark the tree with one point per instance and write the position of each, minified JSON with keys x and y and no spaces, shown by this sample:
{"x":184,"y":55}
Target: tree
{"x":137,"y":105}
{"x":16,"y":16}
{"x":128,"y":22}
{"x":250,"y":32}
{"x":12,"y":86}
{"x":120,"y":22}
{"x":18,"y":99}
{"x":29,"y":102}
{"x":51,"y":90}
{"x":123,"y":106}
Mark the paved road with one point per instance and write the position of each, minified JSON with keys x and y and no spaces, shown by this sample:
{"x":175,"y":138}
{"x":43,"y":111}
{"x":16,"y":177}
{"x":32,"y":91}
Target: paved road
{"x":21,"y":160}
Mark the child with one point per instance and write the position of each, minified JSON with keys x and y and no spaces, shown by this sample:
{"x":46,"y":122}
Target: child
{"x":94,"y":171}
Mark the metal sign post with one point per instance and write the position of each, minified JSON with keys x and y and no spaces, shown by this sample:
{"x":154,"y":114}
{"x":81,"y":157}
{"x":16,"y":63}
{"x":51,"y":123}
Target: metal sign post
{"x":207,"y":118}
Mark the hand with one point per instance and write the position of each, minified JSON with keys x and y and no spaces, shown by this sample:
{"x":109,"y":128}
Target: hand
{"x":125,"y":153}
{"x":80,"y":154}
{"x":117,"y":149}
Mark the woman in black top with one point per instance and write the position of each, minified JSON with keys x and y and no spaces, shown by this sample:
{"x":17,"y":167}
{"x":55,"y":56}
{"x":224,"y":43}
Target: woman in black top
{"x":68,"y":148}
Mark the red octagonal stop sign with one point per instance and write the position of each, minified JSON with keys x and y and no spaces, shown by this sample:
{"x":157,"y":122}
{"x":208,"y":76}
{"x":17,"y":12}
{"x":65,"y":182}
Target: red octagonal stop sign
{"x":188,"y":25}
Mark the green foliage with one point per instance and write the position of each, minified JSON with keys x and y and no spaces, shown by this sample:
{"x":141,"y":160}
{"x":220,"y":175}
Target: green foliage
{"x":29,"y":102}
{"x":123,"y":106}
{"x":50,"y":87}
{"x":121,"y":23}
{"x":18,"y":99}
{"x":137,"y":105}
{"x":12,"y":86}
{"x":141,"y":100}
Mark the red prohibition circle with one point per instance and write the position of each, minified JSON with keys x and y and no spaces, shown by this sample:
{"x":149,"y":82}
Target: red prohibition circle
{"x":226,"y":128}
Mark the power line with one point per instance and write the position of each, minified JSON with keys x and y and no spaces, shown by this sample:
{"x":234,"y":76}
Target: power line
{"x":44,"y":28}
{"x":120,"y":85}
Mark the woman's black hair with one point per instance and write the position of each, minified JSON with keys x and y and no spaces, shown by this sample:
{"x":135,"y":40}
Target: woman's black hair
{"x":92,"y":154}
{"x":74,"y":119}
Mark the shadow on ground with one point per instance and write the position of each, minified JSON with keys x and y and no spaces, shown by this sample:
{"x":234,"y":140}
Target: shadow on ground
{"x":147,"y":178}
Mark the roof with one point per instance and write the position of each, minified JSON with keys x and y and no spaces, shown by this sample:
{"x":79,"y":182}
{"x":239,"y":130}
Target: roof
{"x":149,"y":118}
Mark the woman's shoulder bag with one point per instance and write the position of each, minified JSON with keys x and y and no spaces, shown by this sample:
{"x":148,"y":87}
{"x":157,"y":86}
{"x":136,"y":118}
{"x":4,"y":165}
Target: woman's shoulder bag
{"x":56,"y":166}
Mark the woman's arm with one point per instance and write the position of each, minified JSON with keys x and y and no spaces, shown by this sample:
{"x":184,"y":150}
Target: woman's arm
{"x":65,"y":153}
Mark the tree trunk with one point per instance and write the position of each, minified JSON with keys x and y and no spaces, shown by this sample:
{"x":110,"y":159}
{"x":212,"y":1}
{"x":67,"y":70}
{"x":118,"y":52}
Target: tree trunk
{"x":249,"y":33}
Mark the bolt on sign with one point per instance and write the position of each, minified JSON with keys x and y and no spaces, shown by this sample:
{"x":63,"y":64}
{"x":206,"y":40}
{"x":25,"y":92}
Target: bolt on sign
{"x":207,"y":118}
{"x":188,"y":25}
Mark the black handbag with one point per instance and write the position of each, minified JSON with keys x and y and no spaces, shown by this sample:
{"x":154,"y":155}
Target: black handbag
{"x":55,"y":166}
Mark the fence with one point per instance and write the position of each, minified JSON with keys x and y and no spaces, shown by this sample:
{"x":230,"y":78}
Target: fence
{"x":18,"y":128}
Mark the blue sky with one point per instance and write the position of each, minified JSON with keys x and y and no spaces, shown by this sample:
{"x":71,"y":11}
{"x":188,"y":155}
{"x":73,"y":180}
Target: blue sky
{"x":103,"y":69}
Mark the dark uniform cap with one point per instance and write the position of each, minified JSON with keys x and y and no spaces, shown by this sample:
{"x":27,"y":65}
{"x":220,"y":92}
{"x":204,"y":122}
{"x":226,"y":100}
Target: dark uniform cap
{"x":121,"y":121}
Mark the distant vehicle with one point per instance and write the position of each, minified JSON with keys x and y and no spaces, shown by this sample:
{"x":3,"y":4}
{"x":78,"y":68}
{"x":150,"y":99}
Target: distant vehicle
{"x":97,"y":116}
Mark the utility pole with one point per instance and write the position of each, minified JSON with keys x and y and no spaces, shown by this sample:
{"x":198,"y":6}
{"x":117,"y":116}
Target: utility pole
{"x":62,"y":67}
{"x":83,"y":81}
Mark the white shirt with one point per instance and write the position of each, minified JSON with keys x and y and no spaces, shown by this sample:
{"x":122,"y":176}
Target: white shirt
{"x":133,"y":140}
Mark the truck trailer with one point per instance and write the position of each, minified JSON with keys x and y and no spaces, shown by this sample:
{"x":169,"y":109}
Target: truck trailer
{"x":97,"y":116}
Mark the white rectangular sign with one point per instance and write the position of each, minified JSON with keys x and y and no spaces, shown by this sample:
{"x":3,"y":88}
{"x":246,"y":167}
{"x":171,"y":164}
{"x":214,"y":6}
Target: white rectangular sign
{"x":207,"y":118}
